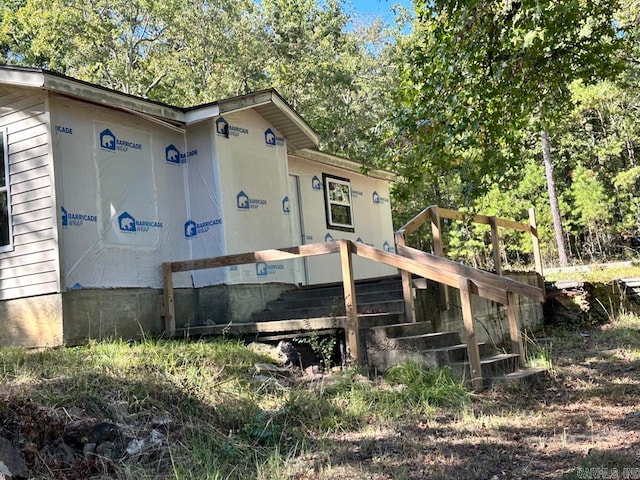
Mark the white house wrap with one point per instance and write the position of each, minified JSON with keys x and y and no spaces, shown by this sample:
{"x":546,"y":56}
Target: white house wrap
{"x":105,"y":187}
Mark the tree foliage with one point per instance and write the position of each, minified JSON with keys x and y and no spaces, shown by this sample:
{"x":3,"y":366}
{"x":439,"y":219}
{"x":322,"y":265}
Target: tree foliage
{"x":188,"y":52}
{"x":479,"y":73}
{"x":455,"y":106}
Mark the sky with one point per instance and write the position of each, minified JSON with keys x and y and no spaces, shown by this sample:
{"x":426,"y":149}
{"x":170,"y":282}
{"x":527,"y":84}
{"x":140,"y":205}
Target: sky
{"x":378,"y":7}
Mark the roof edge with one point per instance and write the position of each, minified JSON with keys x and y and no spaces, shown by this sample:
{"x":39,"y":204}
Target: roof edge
{"x":108,"y":97}
{"x":23,"y":77}
{"x":341,"y":162}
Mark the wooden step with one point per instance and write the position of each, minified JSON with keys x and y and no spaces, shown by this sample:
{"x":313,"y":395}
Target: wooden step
{"x":290,"y":325}
{"x":332,"y":301}
{"x":336,"y":289}
{"x":443,"y":356}
{"x":493,"y":365}
{"x":391,"y":306}
{"x":525,"y":376}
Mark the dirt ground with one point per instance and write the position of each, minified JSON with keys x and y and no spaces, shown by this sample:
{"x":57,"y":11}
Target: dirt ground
{"x":582,"y":420}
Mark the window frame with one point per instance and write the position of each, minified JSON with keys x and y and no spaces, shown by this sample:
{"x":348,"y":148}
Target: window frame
{"x":331,"y":224}
{"x":6,"y":188}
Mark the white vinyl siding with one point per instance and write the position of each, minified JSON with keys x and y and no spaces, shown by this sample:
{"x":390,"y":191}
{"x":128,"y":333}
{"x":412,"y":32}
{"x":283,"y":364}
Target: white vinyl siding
{"x":29,"y":265}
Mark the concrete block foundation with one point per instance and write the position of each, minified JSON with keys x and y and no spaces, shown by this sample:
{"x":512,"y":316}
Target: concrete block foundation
{"x":132,"y":313}
{"x":31,"y":322}
{"x":490,"y":319}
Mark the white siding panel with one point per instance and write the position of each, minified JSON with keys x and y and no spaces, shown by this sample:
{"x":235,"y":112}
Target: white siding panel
{"x":37,"y":139}
{"x":37,"y":257}
{"x":14,"y":111}
{"x":10,"y":274}
{"x":26,"y":280}
{"x":33,"y":215}
{"x":30,"y":196}
{"x":35,"y":134}
{"x":32,"y":180}
{"x":28,"y":290}
{"x":27,"y":155}
{"x":31,"y":268}
{"x":36,"y":226}
{"x":30,"y":163}
{"x":30,"y":249}
{"x":33,"y":236}
{"x":28,"y":123}
{"x":35,"y":205}
{"x":11,"y":95}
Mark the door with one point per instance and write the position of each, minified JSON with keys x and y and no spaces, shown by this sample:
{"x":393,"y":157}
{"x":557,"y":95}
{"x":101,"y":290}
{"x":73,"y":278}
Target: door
{"x":296,"y":224}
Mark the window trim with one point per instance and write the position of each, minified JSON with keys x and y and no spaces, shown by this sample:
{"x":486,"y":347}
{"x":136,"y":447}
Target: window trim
{"x":331,"y":225}
{"x":6,"y":188}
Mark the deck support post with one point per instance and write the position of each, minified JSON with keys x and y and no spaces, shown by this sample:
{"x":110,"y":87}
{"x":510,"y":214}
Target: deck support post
{"x":473,"y":352}
{"x":495,"y":242}
{"x":535,"y":239}
{"x":168,"y":300}
{"x":352,"y":327}
{"x":439,"y":251}
{"x":407,"y":287}
{"x":514,"y":328}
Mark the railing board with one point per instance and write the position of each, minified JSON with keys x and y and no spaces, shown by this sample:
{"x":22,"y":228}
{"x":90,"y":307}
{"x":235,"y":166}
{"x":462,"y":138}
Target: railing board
{"x":417,"y":221}
{"x":449,"y":271}
{"x":270,"y":255}
{"x":483,"y":219}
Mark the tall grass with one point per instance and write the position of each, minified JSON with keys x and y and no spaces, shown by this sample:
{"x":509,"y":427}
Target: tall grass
{"x":222,"y":423}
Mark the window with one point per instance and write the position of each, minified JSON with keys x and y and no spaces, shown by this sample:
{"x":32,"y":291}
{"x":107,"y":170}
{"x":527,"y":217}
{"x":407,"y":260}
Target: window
{"x":5,"y":211}
{"x":337,"y":194}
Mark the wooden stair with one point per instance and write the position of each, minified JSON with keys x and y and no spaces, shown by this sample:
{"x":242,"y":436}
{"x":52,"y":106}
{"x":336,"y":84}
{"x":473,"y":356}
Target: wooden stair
{"x":631,"y":288}
{"x":387,"y":339}
{"x":387,"y":346}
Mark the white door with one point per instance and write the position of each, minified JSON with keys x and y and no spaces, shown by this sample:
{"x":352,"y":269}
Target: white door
{"x":297,"y":228}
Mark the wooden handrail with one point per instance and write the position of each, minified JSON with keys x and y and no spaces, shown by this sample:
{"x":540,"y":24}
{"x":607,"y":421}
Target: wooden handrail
{"x":434,"y":215}
{"x":448,"y":272}
{"x":469,"y":280}
{"x":270,"y":255}
{"x":428,"y":214}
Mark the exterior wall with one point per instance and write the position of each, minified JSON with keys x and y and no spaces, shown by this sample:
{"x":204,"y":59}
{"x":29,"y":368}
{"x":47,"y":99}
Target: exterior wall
{"x":204,"y":205}
{"x":253,"y":188}
{"x":372,"y":219}
{"x":121,"y":183}
{"x":32,"y":267}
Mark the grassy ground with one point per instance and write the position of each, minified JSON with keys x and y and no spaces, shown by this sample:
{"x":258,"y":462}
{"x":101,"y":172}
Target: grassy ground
{"x":597,"y":273}
{"x":194,"y":410}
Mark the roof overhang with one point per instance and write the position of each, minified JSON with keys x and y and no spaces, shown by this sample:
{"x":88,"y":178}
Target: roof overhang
{"x":345,"y":163}
{"x":268,"y":103}
{"x":272,"y":107}
{"x":54,"y":82}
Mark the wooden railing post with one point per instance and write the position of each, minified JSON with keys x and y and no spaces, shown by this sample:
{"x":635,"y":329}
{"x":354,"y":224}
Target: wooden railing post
{"x":514,"y":328}
{"x":439,"y":251}
{"x":495,"y":242}
{"x":352,"y":327}
{"x":473,"y":352}
{"x":536,"y":241}
{"x":168,"y":300}
{"x":407,"y":286}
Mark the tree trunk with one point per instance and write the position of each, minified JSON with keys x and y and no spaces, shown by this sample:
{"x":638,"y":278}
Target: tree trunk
{"x":553,"y":199}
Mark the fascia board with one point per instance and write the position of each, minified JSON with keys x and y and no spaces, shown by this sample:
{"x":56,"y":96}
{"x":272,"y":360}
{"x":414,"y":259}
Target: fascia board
{"x":111,"y":98}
